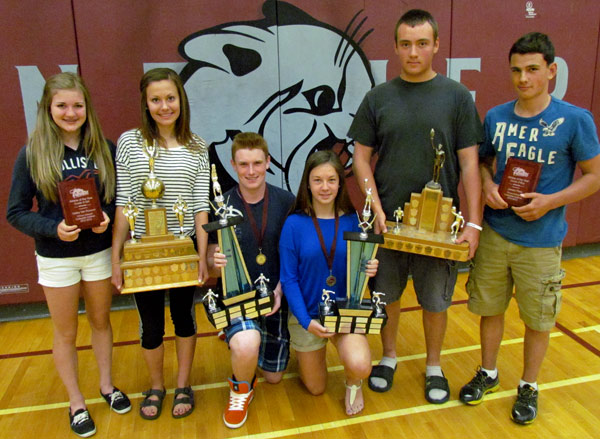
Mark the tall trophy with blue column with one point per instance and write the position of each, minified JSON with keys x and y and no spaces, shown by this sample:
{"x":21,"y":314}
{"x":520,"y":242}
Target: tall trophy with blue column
{"x":354,"y":313}
{"x":240,"y":296}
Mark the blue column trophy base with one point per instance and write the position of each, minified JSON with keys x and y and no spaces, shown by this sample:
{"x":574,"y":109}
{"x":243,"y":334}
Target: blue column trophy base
{"x":352,"y":314}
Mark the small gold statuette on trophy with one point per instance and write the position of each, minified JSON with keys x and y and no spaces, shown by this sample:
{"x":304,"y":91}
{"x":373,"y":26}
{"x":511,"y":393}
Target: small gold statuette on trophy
{"x":131,"y":212}
{"x":429,"y":224}
{"x":353,"y":313}
{"x":398,"y":215}
{"x":457,"y":225}
{"x":157,"y":260}
{"x":180,"y":208}
{"x":240,"y":298}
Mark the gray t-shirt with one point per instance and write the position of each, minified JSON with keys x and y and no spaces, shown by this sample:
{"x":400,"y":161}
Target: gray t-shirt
{"x":395,"y":119}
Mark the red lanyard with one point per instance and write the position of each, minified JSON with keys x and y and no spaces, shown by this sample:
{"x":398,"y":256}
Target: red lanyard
{"x":260,"y":258}
{"x":328,"y":257}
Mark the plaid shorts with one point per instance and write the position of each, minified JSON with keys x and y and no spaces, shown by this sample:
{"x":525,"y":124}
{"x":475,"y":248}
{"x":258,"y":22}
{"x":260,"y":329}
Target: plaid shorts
{"x":274,"y":351}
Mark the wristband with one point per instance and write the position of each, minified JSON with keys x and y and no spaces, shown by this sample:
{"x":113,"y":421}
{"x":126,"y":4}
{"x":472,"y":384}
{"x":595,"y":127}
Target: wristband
{"x":475,"y":226}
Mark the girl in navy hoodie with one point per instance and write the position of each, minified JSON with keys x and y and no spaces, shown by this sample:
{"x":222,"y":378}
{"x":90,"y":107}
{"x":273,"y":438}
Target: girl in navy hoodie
{"x":67,"y":144}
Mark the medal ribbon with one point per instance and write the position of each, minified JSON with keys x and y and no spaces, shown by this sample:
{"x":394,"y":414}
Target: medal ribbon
{"x":329,"y":257}
{"x":259,"y":236}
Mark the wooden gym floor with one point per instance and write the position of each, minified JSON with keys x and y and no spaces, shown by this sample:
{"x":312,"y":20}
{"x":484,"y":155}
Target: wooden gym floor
{"x":33,"y":402}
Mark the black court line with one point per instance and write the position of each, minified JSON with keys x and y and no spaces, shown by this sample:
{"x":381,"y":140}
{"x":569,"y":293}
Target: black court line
{"x":582,"y":284}
{"x":578,"y":339}
{"x":88,"y":347}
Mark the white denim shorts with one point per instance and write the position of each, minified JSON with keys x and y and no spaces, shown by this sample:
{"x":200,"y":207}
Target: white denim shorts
{"x":63,"y":272}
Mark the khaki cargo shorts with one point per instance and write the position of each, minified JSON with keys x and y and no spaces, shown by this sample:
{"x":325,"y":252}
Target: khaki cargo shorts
{"x":534,"y":272}
{"x":302,"y":340}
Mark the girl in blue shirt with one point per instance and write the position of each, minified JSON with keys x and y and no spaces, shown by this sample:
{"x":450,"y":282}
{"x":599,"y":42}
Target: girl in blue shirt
{"x":313,"y":256}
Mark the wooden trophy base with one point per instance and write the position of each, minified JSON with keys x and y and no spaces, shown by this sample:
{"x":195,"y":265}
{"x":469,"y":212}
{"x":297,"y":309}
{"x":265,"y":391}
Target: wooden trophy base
{"x":426,"y":227}
{"x":245,"y":306}
{"x":363,"y":320}
{"x":437,"y":244}
{"x":159,"y":262}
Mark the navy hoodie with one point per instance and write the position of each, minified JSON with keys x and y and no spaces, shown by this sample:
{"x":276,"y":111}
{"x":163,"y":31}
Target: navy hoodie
{"x":41,"y":224}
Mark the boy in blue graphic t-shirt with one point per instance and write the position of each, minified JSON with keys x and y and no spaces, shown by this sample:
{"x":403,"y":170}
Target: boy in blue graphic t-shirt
{"x":521,"y":246}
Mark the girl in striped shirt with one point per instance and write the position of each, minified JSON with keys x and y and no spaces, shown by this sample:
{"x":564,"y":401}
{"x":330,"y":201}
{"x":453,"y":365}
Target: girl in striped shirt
{"x":182,"y":165}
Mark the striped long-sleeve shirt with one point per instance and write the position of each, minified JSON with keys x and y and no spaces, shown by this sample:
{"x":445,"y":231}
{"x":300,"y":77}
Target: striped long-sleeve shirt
{"x":183,"y":170}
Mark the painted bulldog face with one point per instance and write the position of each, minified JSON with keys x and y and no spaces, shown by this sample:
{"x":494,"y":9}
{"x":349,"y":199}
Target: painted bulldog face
{"x":289,"y":77}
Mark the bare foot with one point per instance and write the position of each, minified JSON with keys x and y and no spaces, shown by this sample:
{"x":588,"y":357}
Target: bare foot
{"x":183,"y":403}
{"x":181,"y":408}
{"x":152,"y":403}
{"x":150,"y":410}
{"x":354,"y":399}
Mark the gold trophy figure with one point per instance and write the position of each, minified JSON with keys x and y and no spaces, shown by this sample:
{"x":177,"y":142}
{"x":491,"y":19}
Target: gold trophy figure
{"x":152,"y":187}
{"x":438,"y":164}
{"x":398,"y":215}
{"x":158,"y":260}
{"x":180,"y":208}
{"x":239,"y":297}
{"x":353,"y":313}
{"x":131,"y":212}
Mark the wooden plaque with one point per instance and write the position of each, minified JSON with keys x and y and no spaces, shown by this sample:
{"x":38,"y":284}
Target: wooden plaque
{"x":156,"y":221}
{"x":80,"y":203}
{"x":520,"y":176}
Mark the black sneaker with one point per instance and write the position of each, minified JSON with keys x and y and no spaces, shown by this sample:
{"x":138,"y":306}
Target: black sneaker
{"x":82,"y":423}
{"x":117,"y":401}
{"x":473,"y":392}
{"x":524,"y":409}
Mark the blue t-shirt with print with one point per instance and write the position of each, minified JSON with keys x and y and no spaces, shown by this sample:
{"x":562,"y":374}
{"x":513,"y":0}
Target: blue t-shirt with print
{"x":558,"y":138}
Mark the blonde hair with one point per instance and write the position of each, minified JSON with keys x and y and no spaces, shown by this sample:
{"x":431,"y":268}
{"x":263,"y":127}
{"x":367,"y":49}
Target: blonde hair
{"x":46,"y":150}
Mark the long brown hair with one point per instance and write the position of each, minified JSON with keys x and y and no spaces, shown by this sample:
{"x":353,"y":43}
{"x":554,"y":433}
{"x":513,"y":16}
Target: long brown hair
{"x":149,"y":130}
{"x":45,"y":147}
{"x":303,"y":202}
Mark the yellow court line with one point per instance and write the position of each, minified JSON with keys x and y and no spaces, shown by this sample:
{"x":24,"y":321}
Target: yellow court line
{"x":92,"y":401}
{"x":587,"y":329}
{"x":406,"y":411}
{"x":223,"y":384}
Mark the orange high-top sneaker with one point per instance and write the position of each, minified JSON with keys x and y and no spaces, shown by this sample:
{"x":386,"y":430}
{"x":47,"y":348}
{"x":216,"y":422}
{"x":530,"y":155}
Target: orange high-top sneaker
{"x":240,"y":397}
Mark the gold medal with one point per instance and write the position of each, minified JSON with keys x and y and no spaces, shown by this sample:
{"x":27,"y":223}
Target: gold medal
{"x":330,"y":281}
{"x":261,"y":259}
